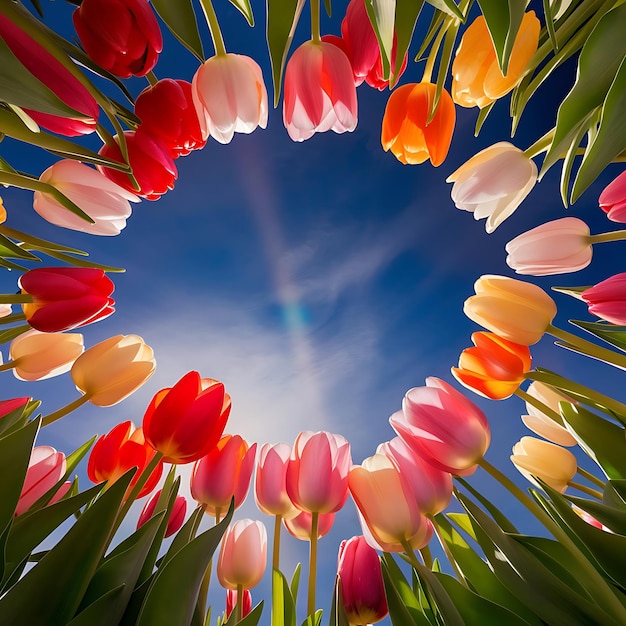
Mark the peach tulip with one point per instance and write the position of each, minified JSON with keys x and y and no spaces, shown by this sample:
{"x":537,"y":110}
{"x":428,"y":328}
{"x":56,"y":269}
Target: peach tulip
{"x":476,"y":76}
{"x":106,"y":203}
{"x":317,"y":473}
{"x":493,"y":183}
{"x":301,"y":525}
{"x":174,"y":521}
{"x":319,"y":91}
{"x":243,"y":555}
{"x":494,"y":367}
{"x":443,"y":427}
{"x":607,"y":299}
{"x":406,"y":130}
{"x":37,"y":356}
{"x":270,"y":486}
{"x":113,"y":369}
{"x":516,"y":310}
{"x":230,"y":96}
{"x":557,"y":247}
{"x":613,"y":199}
{"x":535,"y":458}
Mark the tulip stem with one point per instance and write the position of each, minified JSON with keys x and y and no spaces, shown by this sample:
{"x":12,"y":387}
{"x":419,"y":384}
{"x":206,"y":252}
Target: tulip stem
{"x":427,"y":557}
{"x":276,"y":545}
{"x":614,"y":235}
{"x":446,"y":549}
{"x":152,"y":78}
{"x":432,"y":55}
{"x":214,"y":27}
{"x":239,"y":604}
{"x":315,"y":20}
{"x":46,"y":420}
{"x":312,"y":563}
{"x":594,"y":493}
{"x":540,"y":406}
{"x":5,"y":367}
{"x":541,"y":145}
{"x":410,"y":553}
{"x":15,"y":298}
{"x":15,"y":317}
{"x":591,"y":478}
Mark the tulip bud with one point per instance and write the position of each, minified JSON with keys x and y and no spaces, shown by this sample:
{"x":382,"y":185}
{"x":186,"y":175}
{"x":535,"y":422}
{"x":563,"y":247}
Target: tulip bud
{"x":540,"y":423}
{"x":270,"y":484}
{"x":613,"y":199}
{"x":607,"y":299}
{"x":301,"y":525}
{"x":46,"y":468}
{"x":176,"y":518}
{"x":243,"y":555}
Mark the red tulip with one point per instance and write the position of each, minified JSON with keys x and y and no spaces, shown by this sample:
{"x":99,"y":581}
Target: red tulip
{"x":8,"y":406}
{"x":121,"y":36}
{"x":167,"y":112}
{"x":66,"y":297}
{"x":176,"y":518}
{"x":45,"y":469}
{"x":612,"y":200}
{"x":231,"y":602}
{"x":150,"y":160}
{"x":41,"y":64}
{"x":186,"y":421}
{"x":362,"y":586}
{"x":300,"y":526}
{"x":270,"y":484}
{"x":118,"y":451}
{"x":607,"y":299}
{"x":243,"y":555}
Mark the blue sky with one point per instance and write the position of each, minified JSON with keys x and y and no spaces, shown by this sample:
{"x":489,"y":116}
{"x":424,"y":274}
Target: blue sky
{"x":319,"y":281}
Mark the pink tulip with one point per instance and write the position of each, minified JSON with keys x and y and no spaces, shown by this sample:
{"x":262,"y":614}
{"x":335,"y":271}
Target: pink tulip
{"x":176,"y":518}
{"x":222,"y":474}
{"x":243,"y":555}
{"x":231,"y":602}
{"x":362,"y":585}
{"x":557,"y":247}
{"x":443,"y":427}
{"x":431,"y":487}
{"x":319,"y":91}
{"x":317,"y":473}
{"x":8,"y":406}
{"x":613,"y":199}
{"x":270,"y":488}
{"x":607,"y":299}
{"x":104,"y":201}
{"x":45,"y":469}
{"x":300,"y":526}
{"x":230,"y":96}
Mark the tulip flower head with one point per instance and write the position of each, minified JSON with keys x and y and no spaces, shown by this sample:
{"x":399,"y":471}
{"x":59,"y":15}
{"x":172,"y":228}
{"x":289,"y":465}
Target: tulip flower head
{"x":270,"y":486}
{"x":186,"y":421}
{"x":513,"y":309}
{"x":8,"y":406}
{"x":613,"y":199}
{"x":493,"y":183}
{"x":494,"y":367}
{"x":230,"y":96}
{"x":477,"y":79}
{"x":66,"y":297}
{"x":177,"y":514}
{"x":362,"y":586}
{"x":406,"y":130}
{"x":122,"y":36}
{"x":301,"y":525}
{"x":607,"y":299}
{"x":557,"y":247}
{"x":540,"y":423}
{"x":231,"y":602}
{"x":46,"y":468}
{"x":113,"y":369}
{"x":243,"y":555}
{"x":443,"y":427}
{"x":106,"y":203}
{"x":319,"y":91}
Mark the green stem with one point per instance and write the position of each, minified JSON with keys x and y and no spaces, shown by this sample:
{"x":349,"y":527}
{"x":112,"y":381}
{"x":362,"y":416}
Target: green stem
{"x":152,"y":78}
{"x":594,"y":493}
{"x":276,"y":546}
{"x":591,"y":478}
{"x":106,"y":136}
{"x":408,"y":550}
{"x":432,"y":55}
{"x":312,"y":564}
{"x":15,"y":298}
{"x":46,"y":420}
{"x":541,"y":145}
{"x":15,"y":317}
{"x":615,"y":235}
{"x":427,"y":556}
{"x":5,"y":367}
{"x":214,"y":27}
{"x":446,"y":549}
{"x":540,"y":406}
{"x":315,"y":20}
{"x":239,"y":605}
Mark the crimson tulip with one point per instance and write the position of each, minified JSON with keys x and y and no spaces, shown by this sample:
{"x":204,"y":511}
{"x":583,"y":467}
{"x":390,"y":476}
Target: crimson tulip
{"x":121,"y":36}
{"x":186,"y":421}
{"x":612,"y":200}
{"x":8,"y":406}
{"x":301,"y":526}
{"x":177,"y":514}
{"x":66,"y":297}
{"x":607,"y":299}
{"x":243,"y":555}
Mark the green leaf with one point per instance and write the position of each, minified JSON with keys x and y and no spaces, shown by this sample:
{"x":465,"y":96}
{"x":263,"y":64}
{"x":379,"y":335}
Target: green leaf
{"x":295,"y":581}
{"x":338,"y":615}
{"x":407,"y":12}
{"x":283,"y":603}
{"x":449,"y":7}
{"x":180,"y":18}
{"x":11,"y":333}
{"x":252,"y":619}
{"x":9,"y":249}
{"x":246,"y":9}
{"x":615,"y":494}
{"x":482,"y":116}
{"x":313,"y":620}
{"x":611,"y":333}
{"x":569,"y":158}
{"x":98,"y":613}
{"x":498,"y":516}
{"x":17,"y":418}
{"x":438,"y":596}
{"x":404,"y":607}
{"x":37,"y":243}
{"x":609,"y":516}
{"x":382,"y":14}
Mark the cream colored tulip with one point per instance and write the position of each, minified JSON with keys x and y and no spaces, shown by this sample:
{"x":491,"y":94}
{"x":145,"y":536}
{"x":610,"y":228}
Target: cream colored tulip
{"x":540,"y":423}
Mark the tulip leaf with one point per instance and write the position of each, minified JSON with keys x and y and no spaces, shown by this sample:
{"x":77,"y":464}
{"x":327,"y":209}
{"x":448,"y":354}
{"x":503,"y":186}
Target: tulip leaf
{"x":252,"y":619}
{"x":38,"y":243}
{"x":16,"y":419}
{"x":438,"y":596}
{"x":436,"y":22}
{"x":283,"y":603}
{"x":183,"y":536}
{"x":99,"y":612}
{"x":315,"y":619}
{"x":607,"y":515}
{"x":549,"y":17}
{"x":482,"y":116}
{"x":338,"y":615}
{"x":246,"y":10}
{"x":135,"y":603}
{"x":10,"y":250}
{"x":449,"y":7}
{"x":180,"y":18}
{"x":382,"y":14}
{"x":568,"y":161}
{"x":497,"y":515}
{"x":295,"y":581}
{"x":615,"y":494}
{"x":611,"y":333}
{"x":167,"y":602}
{"x":407,"y":12}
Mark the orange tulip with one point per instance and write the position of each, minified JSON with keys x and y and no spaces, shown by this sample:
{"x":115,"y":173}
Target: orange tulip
{"x":406,"y":131}
{"x":494,"y":368}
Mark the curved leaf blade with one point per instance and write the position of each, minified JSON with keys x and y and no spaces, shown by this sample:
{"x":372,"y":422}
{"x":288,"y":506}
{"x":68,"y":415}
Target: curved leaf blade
{"x":180,"y":18}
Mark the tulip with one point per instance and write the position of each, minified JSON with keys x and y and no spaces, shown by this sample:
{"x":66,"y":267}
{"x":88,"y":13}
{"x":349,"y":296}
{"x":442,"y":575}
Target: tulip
{"x":56,"y":77}
{"x":613,"y":199}
{"x":122,"y":36}
{"x":113,"y":369}
{"x":443,"y":427}
{"x":431,"y":487}
{"x":515,"y":310}
{"x":494,"y":368}
{"x":493,"y":183}
{"x":46,"y":468}
{"x":607,"y":299}
{"x":106,"y":203}
{"x":37,"y":356}
{"x":270,"y":486}
{"x":243,"y":555}
{"x":386,"y":504}
{"x":177,"y":514}
{"x":535,"y":458}
{"x":557,"y":247}
{"x":319,"y":91}
{"x":406,"y":130}
{"x":231,"y":602}
{"x":150,"y":160}
{"x":540,"y":423}
{"x":317,"y":473}
{"x":64,"y":298}
{"x":222,"y":474}
{"x":185,"y":422}
{"x":476,"y":76}
{"x":301,"y":525}
{"x":123,"y":448}
{"x":362,"y":587}
{"x":230,"y":96}
{"x":8,"y":406}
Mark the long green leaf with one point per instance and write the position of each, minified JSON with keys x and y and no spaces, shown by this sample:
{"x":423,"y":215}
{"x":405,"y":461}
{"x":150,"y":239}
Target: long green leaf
{"x":404,"y":607}
{"x":98,"y":613}
{"x":246,"y":10}
{"x":407,"y":12}
{"x":283,"y":603}
{"x":447,"y":6}
{"x":382,"y":14}
{"x":609,"y":516}
{"x":180,"y":18}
